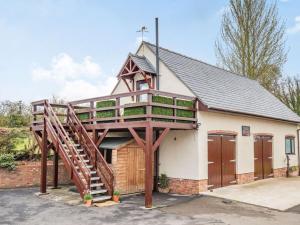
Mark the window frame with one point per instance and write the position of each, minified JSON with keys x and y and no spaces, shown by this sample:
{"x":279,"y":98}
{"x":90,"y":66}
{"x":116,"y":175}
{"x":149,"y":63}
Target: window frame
{"x":292,"y":140}
{"x":138,"y":88}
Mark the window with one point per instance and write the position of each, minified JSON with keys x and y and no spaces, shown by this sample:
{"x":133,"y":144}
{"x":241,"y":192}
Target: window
{"x":289,"y":145}
{"x":107,"y":155}
{"x":142,"y":85}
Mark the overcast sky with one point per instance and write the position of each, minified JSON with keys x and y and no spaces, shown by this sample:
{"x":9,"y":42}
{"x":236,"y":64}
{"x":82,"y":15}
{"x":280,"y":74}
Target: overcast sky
{"x":74,"y":49}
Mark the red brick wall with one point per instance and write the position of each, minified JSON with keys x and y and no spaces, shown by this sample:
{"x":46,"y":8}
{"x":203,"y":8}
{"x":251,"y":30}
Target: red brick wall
{"x":187,"y":186}
{"x":279,"y":172}
{"x":245,"y":178}
{"x":27,"y":174}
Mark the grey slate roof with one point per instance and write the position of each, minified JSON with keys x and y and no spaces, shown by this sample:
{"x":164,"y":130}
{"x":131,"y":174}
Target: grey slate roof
{"x":113,"y":143}
{"x":223,"y":90}
{"x":142,"y":63}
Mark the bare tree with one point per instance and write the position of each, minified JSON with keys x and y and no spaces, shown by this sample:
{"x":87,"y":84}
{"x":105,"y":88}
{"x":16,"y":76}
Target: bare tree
{"x":252,"y":41}
{"x":289,"y":93}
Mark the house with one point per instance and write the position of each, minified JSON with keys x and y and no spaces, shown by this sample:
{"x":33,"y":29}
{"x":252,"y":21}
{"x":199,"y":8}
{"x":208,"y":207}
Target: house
{"x":204,"y":128}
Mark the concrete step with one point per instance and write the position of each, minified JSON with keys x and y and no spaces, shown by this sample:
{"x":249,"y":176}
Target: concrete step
{"x":93,"y":172}
{"x":95,"y":178}
{"x":96,"y":185}
{"x":102,"y":198}
{"x":95,"y":192}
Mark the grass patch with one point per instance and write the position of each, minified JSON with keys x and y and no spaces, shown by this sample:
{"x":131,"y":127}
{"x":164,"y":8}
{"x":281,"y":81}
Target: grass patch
{"x":83,"y":116}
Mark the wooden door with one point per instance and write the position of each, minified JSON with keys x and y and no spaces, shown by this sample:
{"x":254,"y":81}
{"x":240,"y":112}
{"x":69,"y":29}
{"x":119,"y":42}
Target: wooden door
{"x":135,"y":170}
{"x":263,"y":157}
{"x":267,"y":157}
{"x":228,"y":160}
{"x":214,"y":161}
{"x":221,"y":161}
{"x":258,"y":159}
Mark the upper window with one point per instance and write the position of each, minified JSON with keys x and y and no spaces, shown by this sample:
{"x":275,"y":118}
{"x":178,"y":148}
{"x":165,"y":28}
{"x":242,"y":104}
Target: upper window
{"x":289,"y":145}
{"x":142,"y":85}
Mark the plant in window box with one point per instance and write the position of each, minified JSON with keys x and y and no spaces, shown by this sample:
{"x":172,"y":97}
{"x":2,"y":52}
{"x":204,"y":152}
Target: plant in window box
{"x":163,"y":184}
{"x":293,"y":171}
{"x":88,"y":199}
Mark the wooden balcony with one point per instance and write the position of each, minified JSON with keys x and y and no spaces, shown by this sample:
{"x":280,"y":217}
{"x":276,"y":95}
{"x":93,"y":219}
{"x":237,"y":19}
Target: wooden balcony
{"x":162,"y":109}
{"x":140,"y":113}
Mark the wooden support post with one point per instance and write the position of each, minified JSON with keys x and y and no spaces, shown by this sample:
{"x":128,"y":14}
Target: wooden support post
{"x":117,"y":110}
{"x":44,"y":151}
{"x":92,"y":106}
{"x":148,"y":167}
{"x":149,"y":107}
{"x":55,"y":169}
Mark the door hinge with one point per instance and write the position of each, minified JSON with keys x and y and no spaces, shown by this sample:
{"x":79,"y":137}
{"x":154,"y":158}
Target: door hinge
{"x":211,"y":162}
{"x":233,"y":160}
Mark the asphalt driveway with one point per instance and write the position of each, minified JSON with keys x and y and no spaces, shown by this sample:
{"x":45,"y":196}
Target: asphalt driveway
{"x":22,"y":206}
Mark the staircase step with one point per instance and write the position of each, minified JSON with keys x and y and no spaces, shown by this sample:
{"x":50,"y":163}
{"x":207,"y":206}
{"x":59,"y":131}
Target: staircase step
{"x":94,"y":192}
{"x":93,"y":172}
{"x":88,"y":166}
{"x":96,"y":185}
{"x":95,"y":178}
{"x":79,"y":150}
{"x":102,"y":198}
{"x":86,"y":160}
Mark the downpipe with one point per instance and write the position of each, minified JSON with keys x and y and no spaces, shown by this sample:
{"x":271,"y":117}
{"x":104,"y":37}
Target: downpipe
{"x":298,"y":150}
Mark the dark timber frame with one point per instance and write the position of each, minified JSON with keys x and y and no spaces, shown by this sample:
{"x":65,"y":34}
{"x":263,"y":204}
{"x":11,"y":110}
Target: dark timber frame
{"x":147,"y":124}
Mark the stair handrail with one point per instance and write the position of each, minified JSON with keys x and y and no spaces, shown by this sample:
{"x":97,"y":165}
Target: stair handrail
{"x":97,"y":155}
{"x":61,"y":131}
{"x":50,"y":129}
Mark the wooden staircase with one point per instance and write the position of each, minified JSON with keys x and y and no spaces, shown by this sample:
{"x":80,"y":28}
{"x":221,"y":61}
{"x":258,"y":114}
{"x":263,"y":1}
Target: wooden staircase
{"x":82,"y":159}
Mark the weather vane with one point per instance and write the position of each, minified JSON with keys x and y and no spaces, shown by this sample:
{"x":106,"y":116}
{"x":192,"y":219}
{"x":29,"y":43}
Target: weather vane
{"x":142,"y":30}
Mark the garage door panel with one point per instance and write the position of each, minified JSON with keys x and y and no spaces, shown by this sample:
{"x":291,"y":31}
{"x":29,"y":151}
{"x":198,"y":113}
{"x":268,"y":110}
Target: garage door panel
{"x":214,"y":161}
{"x":228,"y":160}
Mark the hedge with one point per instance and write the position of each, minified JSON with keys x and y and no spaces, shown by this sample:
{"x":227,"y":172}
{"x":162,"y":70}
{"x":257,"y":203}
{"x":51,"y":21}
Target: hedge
{"x":158,"y":110}
{"x":183,"y":112}
{"x":135,"y":111}
{"x":83,"y":116}
{"x":106,"y":113}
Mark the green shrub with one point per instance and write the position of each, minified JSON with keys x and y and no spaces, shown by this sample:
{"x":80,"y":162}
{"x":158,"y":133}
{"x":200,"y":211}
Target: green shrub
{"x":106,"y":113}
{"x":163,"y":100}
{"x":87,"y":197}
{"x":184,"y":103}
{"x":184,"y":113}
{"x":163,"y":181}
{"x":108,"y":103}
{"x":158,"y":110}
{"x":117,"y":193}
{"x":83,"y":116}
{"x":140,"y":110}
{"x":7,"y":161}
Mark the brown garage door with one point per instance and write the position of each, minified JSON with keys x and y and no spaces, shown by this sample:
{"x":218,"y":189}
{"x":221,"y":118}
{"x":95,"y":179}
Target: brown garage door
{"x":221,"y":160}
{"x":263,"y":157}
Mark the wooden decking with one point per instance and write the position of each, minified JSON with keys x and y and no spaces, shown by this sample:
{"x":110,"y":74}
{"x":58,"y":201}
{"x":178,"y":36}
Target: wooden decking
{"x":148,"y":115}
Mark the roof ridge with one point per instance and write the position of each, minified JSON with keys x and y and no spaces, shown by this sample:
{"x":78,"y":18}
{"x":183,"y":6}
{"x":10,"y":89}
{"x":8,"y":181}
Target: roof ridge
{"x":198,"y":60}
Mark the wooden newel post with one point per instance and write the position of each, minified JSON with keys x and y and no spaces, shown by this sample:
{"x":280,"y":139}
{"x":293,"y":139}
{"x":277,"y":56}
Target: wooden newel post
{"x":149,"y":106}
{"x":55,"y":169}
{"x":148,"y":167}
{"x":44,"y":151}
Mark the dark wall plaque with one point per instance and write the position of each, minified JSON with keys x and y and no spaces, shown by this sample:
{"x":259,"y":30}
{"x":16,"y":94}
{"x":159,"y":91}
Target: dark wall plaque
{"x":245,"y":131}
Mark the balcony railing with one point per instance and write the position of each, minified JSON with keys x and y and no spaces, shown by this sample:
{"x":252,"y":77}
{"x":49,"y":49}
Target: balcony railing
{"x":146,"y":105}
